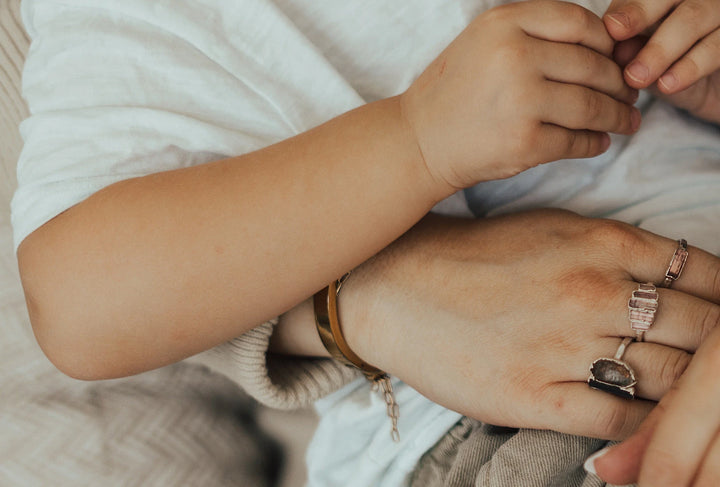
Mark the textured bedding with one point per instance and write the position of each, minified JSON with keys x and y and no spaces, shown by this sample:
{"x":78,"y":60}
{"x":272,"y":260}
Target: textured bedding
{"x":181,"y":425}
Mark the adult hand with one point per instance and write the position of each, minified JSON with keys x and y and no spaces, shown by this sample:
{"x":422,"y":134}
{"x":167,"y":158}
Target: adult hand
{"x":681,"y":58}
{"x":500,"y":319}
{"x":523,"y":84}
{"x":679,"y":443}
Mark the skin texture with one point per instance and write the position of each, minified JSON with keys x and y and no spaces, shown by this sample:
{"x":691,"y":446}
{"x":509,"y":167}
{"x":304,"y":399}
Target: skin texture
{"x":674,"y":47}
{"x":459,"y":309}
{"x":151,"y":270}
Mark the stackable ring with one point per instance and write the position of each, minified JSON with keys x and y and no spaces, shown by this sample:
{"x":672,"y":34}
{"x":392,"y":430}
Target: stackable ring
{"x":613,"y":375}
{"x":677,"y":263}
{"x":642,"y":306}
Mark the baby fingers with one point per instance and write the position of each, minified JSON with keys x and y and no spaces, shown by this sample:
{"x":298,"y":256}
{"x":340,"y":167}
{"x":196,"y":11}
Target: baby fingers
{"x":580,"y":108}
{"x":585,"y":67}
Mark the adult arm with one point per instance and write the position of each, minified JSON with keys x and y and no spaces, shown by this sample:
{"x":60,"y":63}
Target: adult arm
{"x":500,"y":319}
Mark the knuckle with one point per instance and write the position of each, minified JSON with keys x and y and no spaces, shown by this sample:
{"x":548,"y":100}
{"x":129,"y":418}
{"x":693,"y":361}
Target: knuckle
{"x":712,"y":42}
{"x":589,"y":60}
{"x":613,"y":422}
{"x":673,"y":368}
{"x":690,"y":67}
{"x":615,"y":78}
{"x":710,"y":321}
{"x":578,"y":16}
{"x":624,"y":118}
{"x":619,"y":118}
{"x":593,"y":106}
{"x":573,"y":143}
{"x":694,"y":12}
{"x":616,"y":235}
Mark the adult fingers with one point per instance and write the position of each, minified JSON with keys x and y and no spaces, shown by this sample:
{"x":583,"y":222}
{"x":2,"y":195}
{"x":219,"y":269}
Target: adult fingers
{"x":691,"y":22}
{"x":561,"y":22}
{"x":627,"y":18}
{"x":620,"y":464}
{"x":584,"y":67}
{"x":656,"y":367}
{"x":701,"y":61}
{"x":645,"y":257}
{"x":572,"y":407}
{"x":579,"y":108}
{"x":681,"y":321}
{"x":689,"y":424}
{"x":709,"y":475}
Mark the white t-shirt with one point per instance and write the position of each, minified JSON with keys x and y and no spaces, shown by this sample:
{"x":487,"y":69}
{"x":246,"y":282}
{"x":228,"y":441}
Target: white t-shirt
{"x":119,"y":89}
{"x":123,"y":89}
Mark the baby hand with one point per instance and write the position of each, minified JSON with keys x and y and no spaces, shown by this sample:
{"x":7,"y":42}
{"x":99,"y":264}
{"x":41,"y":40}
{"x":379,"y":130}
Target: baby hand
{"x":681,"y":59}
{"x":526,"y":83}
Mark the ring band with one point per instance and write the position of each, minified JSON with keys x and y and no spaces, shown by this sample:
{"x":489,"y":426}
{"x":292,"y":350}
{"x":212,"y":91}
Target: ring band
{"x":642,"y":306}
{"x":613,"y":375}
{"x":677,"y":263}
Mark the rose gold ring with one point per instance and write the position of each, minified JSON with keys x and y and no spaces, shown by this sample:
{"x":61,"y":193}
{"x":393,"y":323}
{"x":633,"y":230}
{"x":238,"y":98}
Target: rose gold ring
{"x":677,"y":263}
{"x":642,"y":306}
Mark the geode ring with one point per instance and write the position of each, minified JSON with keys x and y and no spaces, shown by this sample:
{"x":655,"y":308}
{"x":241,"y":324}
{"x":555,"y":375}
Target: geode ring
{"x":613,"y":375}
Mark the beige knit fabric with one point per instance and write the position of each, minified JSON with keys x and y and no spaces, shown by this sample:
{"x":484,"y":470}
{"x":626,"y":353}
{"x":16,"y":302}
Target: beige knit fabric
{"x":278,"y":381}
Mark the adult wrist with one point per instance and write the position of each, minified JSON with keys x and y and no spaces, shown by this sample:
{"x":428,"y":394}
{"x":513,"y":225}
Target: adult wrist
{"x":331,"y":333}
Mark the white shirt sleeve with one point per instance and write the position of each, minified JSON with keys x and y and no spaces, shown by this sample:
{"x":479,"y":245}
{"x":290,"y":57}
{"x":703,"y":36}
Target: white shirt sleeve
{"x":119,"y":90}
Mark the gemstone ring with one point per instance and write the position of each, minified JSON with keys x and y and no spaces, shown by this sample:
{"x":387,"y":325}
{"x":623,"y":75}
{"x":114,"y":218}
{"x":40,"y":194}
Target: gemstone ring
{"x":613,"y":375}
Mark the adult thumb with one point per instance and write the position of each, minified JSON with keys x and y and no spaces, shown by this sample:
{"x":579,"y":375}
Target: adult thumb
{"x":620,"y":464}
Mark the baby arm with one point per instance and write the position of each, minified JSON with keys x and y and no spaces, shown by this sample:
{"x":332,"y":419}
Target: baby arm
{"x":154,"y":269}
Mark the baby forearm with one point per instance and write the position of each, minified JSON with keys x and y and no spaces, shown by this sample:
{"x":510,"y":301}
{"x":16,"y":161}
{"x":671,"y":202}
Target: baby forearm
{"x":154,"y":269}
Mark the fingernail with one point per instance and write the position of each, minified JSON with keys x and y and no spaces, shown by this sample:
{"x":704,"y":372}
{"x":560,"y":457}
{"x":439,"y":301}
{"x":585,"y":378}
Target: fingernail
{"x":620,"y":18}
{"x":635,"y":119}
{"x":589,"y":464}
{"x":668,"y":81}
{"x":637,"y":72}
